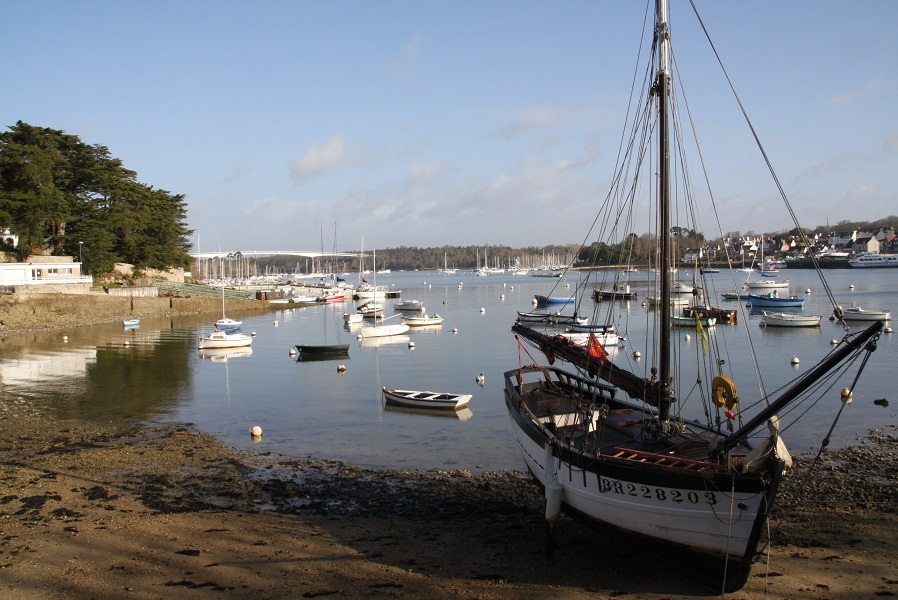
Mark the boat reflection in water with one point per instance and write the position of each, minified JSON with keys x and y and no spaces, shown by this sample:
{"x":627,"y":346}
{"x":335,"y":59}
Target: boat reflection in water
{"x":221,"y":355}
{"x":462,"y":414}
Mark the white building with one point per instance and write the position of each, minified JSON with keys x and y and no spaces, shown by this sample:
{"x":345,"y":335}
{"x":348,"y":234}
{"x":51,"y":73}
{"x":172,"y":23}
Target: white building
{"x":55,"y":272}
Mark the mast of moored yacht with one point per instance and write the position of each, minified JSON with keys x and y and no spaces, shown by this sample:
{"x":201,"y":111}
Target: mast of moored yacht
{"x":662,"y":91}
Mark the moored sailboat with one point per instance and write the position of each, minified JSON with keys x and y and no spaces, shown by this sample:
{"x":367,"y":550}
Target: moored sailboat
{"x":612,"y":444}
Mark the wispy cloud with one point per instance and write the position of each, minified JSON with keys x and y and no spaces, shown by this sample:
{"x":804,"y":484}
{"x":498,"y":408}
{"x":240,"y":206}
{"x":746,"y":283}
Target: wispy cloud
{"x":529,"y":119}
{"x":319,"y":159}
{"x":852,"y":96}
{"x":413,"y":47}
{"x":409,"y":55}
{"x":890,"y":140}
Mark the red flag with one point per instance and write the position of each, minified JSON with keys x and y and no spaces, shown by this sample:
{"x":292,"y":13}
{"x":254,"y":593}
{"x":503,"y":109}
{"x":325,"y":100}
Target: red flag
{"x":364,"y":280}
{"x":595,"y":348}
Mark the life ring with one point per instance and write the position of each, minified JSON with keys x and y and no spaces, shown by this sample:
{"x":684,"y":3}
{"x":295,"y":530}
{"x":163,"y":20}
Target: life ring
{"x":724,"y":390}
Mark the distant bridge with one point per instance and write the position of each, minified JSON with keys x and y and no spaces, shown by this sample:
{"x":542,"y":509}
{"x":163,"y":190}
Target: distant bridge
{"x":303,"y":253}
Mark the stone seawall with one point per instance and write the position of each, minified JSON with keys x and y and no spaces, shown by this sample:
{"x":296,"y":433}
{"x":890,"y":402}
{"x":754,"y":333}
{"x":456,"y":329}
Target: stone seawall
{"x":51,"y":311}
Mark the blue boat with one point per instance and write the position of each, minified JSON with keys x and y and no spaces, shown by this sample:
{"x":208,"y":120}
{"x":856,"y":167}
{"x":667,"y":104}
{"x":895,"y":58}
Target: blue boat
{"x":546,"y":300}
{"x":770,"y":300}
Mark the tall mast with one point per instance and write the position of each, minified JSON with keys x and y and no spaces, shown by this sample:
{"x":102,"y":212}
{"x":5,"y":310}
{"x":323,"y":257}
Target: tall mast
{"x":662,"y":90}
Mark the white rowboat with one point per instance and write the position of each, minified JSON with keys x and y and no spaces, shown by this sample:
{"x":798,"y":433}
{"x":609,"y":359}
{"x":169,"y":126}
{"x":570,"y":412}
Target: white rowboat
{"x":778,"y":319}
{"x":432,"y":400}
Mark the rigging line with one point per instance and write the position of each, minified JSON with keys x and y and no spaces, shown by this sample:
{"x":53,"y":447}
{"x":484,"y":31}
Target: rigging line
{"x":845,"y":401}
{"x":619,"y":169}
{"x":726,"y":560}
{"x":779,"y":187}
{"x":707,"y":178}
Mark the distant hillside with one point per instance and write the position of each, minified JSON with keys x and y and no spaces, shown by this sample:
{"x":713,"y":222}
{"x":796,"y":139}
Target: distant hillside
{"x":845,"y":225}
{"x":410,"y":258}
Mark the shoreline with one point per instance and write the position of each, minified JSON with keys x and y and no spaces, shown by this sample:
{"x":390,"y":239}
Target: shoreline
{"x":100,"y":510}
{"x":47,"y":312}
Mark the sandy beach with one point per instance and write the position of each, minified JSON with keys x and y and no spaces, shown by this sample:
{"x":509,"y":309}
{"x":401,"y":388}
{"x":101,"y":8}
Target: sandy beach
{"x":93,"y":510}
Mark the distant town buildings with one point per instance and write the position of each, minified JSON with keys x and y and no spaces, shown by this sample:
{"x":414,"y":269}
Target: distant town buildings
{"x":746,"y":249}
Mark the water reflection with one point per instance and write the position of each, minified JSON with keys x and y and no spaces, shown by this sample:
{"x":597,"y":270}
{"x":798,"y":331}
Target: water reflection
{"x":155,"y":373}
{"x":462,"y":415}
{"x":222,"y":355}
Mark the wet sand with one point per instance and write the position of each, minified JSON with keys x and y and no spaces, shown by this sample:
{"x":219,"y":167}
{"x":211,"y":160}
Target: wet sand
{"x":93,"y":510}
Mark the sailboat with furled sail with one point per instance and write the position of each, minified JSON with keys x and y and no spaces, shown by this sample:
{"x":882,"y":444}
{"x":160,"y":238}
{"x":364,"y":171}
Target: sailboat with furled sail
{"x":611,"y":439}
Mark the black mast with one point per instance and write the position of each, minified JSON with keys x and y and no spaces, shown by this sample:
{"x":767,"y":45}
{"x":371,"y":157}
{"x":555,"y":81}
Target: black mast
{"x":662,"y":91}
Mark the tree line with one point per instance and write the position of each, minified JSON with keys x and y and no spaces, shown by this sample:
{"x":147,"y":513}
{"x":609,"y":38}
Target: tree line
{"x":61,"y":195}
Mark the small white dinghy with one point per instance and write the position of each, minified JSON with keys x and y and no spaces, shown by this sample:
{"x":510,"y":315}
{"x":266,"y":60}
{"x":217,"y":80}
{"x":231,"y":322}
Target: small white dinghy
{"x":383,"y":330}
{"x":434,"y":400}
{"x":423,"y":321}
{"x":778,"y":319}
{"x":856,"y":313}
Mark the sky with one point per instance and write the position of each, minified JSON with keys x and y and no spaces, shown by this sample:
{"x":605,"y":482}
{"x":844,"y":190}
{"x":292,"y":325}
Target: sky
{"x":301,"y":125}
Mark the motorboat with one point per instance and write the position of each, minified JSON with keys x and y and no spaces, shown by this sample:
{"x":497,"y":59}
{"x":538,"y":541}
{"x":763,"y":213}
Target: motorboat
{"x":856,"y":313}
{"x":224,"y":339}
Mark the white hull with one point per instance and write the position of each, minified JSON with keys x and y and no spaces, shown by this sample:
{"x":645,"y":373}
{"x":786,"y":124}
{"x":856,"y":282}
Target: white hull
{"x":430,"y":400}
{"x":409,"y":305}
{"x":693,"y":508}
{"x":227,"y":324}
{"x":869,"y":260}
{"x":376,"y":331}
{"x":621,"y":503}
{"x":766,"y":285}
{"x":370,"y":295}
{"x":863,"y":314}
{"x":776,"y":319}
{"x":220,"y":339}
{"x":581,"y":338}
{"x":424,"y":321}
{"x":674,"y":301}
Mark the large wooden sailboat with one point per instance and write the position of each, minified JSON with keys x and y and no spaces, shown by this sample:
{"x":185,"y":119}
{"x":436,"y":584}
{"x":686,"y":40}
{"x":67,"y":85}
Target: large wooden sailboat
{"x":612,"y":445}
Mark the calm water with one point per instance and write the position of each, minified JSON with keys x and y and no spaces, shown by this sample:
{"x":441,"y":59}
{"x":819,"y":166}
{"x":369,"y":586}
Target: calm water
{"x":155,"y":374}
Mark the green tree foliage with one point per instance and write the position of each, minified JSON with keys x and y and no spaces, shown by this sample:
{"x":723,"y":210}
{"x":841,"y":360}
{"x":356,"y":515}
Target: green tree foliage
{"x":56,"y":191}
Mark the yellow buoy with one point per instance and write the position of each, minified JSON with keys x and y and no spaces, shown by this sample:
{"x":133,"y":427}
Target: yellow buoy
{"x":723,"y":390}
